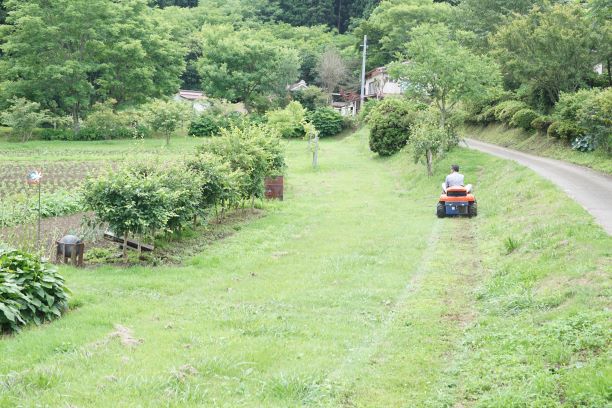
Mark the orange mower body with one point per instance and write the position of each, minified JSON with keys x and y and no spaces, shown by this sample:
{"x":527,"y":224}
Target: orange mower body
{"x":456,"y":202}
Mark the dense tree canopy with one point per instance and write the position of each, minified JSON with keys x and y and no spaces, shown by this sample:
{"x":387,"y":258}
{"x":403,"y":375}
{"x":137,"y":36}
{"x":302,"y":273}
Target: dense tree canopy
{"x":169,"y":3}
{"x":232,"y":65}
{"x":482,"y":17}
{"x":388,"y":28}
{"x":334,"y":13}
{"x":2,"y":12}
{"x":547,"y":51}
{"x":67,"y":54}
{"x":443,"y":72}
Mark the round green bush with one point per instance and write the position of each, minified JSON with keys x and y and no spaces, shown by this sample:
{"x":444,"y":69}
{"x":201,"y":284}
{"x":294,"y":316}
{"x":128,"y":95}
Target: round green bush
{"x":566,"y":109}
{"x":327,"y":121}
{"x":552,"y":130}
{"x":563,"y":129}
{"x":366,"y":108}
{"x":30,"y":290}
{"x":390,"y":124}
{"x":505,"y":110}
{"x":205,"y":125}
{"x":523,"y":118}
{"x":569,"y":130}
{"x":488,"y":116}
{"x":288,"y":121}
{"x":541,"y":123}
{"x":595,"y":117}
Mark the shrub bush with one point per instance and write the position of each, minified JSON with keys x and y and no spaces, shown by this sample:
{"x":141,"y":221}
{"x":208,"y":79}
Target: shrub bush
{"x":390,"y":126}
{"x":30,"y":290}
{"x":568,"y":105}
{"x":523,"y":118}
{"x":487,"y":116}
{"x":105,"y":124}
{"x":568,"y":130}
{"x":349,"y":122}
{"x":564,"y":130}
{"x":504,"y":111}
{"x":57,"y":134}
{"x":218,"y":183}
{"x":212,"y":121}
{"x":289,"y":121}
{"x":185,"y":194}
{"x":249,"y":154}
{"x":475,"y":108}
{"x":122,"y":125}
{"x":541,"y":123}
{"x":327,"y":121}
{"x":552,"y":130}
{"x":207,"y":124}
{"x":595,"y":118}
{"x":132,"y":200}
{"x":365,"y":110}
{"x":311,"y":98}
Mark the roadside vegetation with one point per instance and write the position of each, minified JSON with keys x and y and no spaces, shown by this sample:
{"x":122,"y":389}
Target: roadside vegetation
{"x":538,"y":144}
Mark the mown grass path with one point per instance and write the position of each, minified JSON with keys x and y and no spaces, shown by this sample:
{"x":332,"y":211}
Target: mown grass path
{"x":260,"y":318}
{"x":348,"y":294}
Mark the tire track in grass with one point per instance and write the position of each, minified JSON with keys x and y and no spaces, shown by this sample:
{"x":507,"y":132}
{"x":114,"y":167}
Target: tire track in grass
{"x":342,"y":379}
{"x":411,"y":359}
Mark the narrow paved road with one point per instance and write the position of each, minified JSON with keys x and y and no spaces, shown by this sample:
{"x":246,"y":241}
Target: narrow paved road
{"x":589,"y":188}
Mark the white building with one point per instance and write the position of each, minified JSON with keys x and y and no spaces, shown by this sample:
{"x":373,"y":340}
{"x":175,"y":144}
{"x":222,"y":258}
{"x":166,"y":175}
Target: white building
{"x":345,"y":108}
{"x":378,"y":85}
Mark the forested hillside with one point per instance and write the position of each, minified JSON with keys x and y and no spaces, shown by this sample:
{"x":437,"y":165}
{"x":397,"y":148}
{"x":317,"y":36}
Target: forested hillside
{"x":71,"y":56}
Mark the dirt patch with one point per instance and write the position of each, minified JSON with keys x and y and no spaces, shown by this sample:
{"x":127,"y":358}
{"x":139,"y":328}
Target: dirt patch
{"x":463,"y":320}
{"x":184,"y":371}
{"x":125,"y":336}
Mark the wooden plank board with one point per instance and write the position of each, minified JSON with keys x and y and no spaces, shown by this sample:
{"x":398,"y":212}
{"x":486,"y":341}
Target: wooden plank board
{"x":130,"y":242}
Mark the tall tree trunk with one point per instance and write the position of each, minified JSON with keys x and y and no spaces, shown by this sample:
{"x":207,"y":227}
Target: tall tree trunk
{"x":429,"y":163}
{"x":75,"y":117}
{"x":315,"y":153}
{"x":443,"y":118}
{"x":609,"y":72}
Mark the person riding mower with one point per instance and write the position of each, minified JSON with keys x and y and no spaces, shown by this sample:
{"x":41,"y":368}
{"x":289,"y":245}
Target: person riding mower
{"x":456,"y":199}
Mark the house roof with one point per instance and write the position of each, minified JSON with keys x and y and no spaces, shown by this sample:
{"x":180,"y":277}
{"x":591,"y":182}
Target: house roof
{"x":297,"y":86}
{"x":376,"y":71}
{"x":191,"y":95}
{"x":380,"y":70}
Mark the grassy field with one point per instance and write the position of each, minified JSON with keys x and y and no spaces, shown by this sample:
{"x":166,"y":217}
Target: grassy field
{"x":540,"y":145}
{"x":348,"y":294}
{"x":82,"y":152}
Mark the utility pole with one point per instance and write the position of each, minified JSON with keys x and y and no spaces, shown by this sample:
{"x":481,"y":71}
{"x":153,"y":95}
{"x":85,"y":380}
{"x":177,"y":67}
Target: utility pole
{"x":363,"y":72}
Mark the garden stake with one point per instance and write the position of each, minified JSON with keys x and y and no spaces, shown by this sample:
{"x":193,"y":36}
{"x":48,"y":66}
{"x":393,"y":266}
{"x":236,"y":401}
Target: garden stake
{"x":38,"y":231}
{"x":34,"y":177}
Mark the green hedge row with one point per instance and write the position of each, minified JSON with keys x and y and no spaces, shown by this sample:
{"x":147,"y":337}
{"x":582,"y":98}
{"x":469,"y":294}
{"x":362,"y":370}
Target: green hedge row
{"x":150,"y":198}
{"x":583,"y":118}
